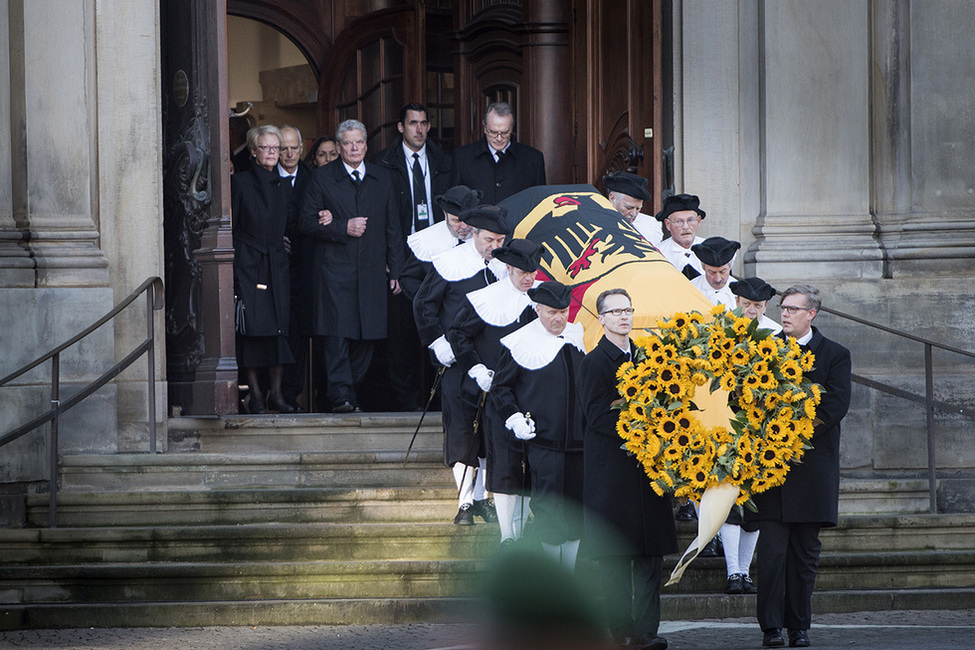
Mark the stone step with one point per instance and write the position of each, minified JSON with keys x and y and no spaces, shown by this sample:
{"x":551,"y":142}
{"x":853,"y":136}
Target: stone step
{"x":204,"y":471}
{"x":390,"y":611}
{"x":872,"y":496}
{"x":129,"y":582}
{"x":223,"y":507}
{"x":305,"y":433}
{"x":248,"y":543}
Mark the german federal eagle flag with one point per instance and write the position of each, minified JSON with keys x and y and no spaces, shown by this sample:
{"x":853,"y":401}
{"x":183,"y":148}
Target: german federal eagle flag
{"x":590,"y":247}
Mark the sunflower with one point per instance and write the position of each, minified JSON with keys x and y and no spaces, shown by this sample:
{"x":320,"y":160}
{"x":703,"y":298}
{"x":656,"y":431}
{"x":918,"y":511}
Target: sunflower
{"x":790,"y":370}
{"x":665,"y":427}
{"x":626,"y":367}
{"x":809,"y":408}
{"x":728,"y":381}
{"x":767,"y":347}
{"x":806,"y":361}
{"x":739,"y":356}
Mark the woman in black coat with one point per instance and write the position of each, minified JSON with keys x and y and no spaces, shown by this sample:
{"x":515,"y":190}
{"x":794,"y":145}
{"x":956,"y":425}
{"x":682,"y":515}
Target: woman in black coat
{"x":259,"y":204}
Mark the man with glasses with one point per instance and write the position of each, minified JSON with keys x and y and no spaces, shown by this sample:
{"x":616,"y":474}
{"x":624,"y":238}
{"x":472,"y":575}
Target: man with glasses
{"x":682,"y":216}
{"x":628,"y":527}
{"x":497,"y":165}
{"x":791,"y":515}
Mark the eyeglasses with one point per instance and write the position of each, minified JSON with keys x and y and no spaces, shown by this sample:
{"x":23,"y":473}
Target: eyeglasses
{"x":618,"y":312}
{"x":497,"y":134}
{"x":268,"y":147}
{"x":792,"y":310}
{"x":291,"y":149}
{"x":684,"y":222}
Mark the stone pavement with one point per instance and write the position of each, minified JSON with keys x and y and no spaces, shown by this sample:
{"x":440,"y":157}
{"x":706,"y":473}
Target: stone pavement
{"x":924,"y":629}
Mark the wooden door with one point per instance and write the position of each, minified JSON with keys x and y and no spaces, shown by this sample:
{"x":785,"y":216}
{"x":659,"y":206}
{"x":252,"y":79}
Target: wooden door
{"x":621,"y":52}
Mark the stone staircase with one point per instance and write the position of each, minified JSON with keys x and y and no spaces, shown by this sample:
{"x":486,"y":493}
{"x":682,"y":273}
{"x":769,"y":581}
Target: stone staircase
{"x":318,"y":520}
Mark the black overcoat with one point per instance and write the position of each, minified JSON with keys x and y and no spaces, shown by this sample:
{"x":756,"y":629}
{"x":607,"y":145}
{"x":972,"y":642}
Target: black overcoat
{"x":521,"y":168}
{"x":300,"y":263}
{"x":348,"y":276}
{"x":623,"y":515}
{"x":259,"y":213}
{"x":811,"y":490}
{"x":393,"y":161}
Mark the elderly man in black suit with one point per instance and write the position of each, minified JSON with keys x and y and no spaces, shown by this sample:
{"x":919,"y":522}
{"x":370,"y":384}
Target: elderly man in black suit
{"x":357,"y":255}
{"x":791,"y":515}
{"x":629,"y":528}
{"x":497,"y":165}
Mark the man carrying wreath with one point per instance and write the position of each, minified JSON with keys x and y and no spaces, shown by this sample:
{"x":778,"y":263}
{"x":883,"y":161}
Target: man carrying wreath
{"x":791,"y":515}
{"x":629,"y":528}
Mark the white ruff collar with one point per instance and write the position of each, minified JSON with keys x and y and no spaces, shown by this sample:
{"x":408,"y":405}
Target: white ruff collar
{"x":499,"y":304}
{"x":461,"y":262}
{"x":430,"y":242}
{"x":532,"y":347}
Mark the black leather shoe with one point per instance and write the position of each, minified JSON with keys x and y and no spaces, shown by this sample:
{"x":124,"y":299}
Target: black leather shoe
{"x":734,"y":585}
{"x":485,"y":510}
{"x":465,"y":516}
{"x":686,"y":512}
{"x":280,"y":407}
{"x":773,"y":638}
{"x":798,"y":639}
{"x":655,"y":643}
{"x":713,"y":548}
{"x":747,"y":586}
{"x":342,"y":406}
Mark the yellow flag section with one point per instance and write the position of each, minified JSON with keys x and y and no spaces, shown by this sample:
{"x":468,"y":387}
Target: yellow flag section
{"x":590,"y":247}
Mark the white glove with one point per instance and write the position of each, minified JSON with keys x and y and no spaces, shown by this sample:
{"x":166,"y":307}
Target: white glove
{"x":523,"y":428}
{"x":482,"y":376}
{"x":441,"y":348}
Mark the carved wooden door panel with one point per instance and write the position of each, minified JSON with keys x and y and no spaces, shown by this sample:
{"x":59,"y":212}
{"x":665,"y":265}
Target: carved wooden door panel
{"x":625,"y":73}
{"x":375,"y":66}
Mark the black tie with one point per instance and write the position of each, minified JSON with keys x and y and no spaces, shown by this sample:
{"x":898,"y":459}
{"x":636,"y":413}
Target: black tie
{"x":419,"y":196}
{"x":291,"y":180}
{"x":501,"y":156}
{"x":355,"y":178}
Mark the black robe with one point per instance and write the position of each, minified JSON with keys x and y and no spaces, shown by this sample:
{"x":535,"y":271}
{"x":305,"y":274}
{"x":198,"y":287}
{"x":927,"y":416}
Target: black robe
{"x":546,"y":392}
{"x":474,"y":166}
{"x":349,"y":281}
{"x":623,"y":516}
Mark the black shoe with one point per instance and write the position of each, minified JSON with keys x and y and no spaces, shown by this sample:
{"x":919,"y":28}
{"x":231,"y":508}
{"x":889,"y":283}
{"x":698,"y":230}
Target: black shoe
{"x":465,"y":516}
{"x":713,"y":548}
{"x":342,"y":406}
{"x":655,"y":643}
{"x":280,"y":407}
{"x":507,"y":544}
{"x":485,"y":510}
{"x":798,"y":639}
{"x":747,"y":586}
{"x":773,"y":638}
{"x":256,"y":406}
{"x":734,"y":585}
{"x":686,"y":512}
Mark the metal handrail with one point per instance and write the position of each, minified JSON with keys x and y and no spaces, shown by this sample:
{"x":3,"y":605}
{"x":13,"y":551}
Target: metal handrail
{"x":153,"y":288}
{"x":930,"y":403}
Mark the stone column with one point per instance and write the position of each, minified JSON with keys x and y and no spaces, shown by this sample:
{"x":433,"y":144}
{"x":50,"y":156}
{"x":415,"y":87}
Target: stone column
{"x":815,"y":143}
{"x":548,"y":109}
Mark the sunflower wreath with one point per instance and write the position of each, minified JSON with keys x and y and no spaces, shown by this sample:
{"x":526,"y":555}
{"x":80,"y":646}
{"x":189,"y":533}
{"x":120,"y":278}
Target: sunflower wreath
{"x":774,"y":405}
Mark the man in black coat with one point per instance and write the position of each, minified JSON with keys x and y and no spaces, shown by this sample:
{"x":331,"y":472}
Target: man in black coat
{"x":791,"y":515}
{"x":497,"y":165}
{"x":629,"y":528}
{"x":351,"y":253}
{"x":419,"y":171}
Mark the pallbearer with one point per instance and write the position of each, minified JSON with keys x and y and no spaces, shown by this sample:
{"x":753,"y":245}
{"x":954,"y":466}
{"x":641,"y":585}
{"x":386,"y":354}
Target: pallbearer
{"x":535,"y":396}
{"x":488,"y":315}
{"x":456,"y":272}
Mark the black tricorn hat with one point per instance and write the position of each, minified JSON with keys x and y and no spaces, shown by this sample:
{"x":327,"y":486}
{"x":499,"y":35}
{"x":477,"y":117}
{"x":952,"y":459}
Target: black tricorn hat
{"x":522,"y":254}
{"x":627,"y":183}
{"x":715,"y":251}
{"x":487,"y":217}
{"x":458,"y":199}
{"x":552,"y":294}
{"x":679,"y":202}
{"x":754,"y":289}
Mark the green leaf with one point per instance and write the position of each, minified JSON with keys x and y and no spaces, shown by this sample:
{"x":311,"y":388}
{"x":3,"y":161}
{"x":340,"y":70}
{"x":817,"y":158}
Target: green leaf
{"x":751,"y":505}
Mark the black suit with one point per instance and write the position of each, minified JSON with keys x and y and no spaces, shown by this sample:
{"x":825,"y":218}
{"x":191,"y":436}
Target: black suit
{"x":522,"y":167}
{"x":791,"y":515}
{"x":628,"y":527}
{"x":294,"y":373}
{"x":403,"y":352}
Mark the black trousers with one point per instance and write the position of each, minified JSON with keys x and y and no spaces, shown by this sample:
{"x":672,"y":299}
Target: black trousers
{"x":346,"y":362}
{"x":631,"y":585}
{"x":403,"y":353}
{"x":788,"y":557}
